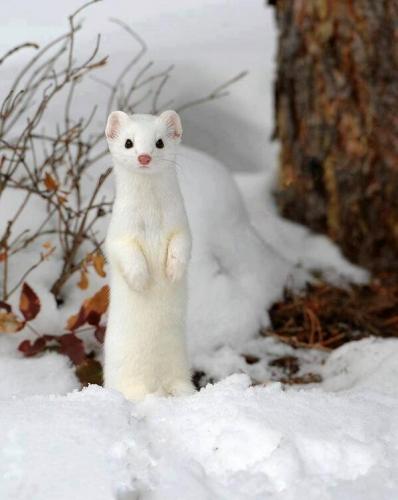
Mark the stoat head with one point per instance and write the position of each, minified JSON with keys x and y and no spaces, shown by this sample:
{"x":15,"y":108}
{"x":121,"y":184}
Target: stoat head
{"x":143,"y":143}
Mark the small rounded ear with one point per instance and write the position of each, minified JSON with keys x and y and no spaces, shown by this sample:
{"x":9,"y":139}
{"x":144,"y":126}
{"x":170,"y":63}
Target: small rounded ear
{"x":115,"y":122}
{"x":173,"y":124}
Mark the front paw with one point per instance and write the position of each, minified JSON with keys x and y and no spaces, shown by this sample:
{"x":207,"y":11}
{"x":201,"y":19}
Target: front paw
{"x":175,"y":268}
{"x":137,"y":279}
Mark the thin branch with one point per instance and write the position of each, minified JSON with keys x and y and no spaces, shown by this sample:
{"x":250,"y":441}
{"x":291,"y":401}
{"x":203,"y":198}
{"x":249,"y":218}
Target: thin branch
{"x":34,"y":266}
{"x":217,"y":93}
{"x":12,"y":51}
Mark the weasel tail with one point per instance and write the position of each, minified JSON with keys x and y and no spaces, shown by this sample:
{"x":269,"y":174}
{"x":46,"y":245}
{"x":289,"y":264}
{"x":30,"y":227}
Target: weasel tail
{"x":148,"y":247}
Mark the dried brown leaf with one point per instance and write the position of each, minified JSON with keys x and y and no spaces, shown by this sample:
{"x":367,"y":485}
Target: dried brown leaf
{"x":29,"y":349}
{"x":29,"y":303}
{"x":50,"y":183}
{"x":73,"y":347}
{"x":91,"y":310}
{"x":99,"y":264}
{"x":89,"y":372}
{"x":83,"y":282}
{"x":9,"y":323}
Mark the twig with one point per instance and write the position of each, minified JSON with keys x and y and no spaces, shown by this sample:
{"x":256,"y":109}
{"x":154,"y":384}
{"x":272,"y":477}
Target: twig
{"x":12,"y":51}
{"x":217,"y":93}
{"x":42,"y":258}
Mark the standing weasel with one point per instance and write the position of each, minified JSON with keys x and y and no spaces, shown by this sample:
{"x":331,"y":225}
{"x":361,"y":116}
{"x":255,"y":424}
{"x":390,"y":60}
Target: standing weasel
{"x":148,"y":246}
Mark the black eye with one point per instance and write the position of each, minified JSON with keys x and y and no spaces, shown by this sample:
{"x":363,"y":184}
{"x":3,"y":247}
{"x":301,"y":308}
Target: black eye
{"x":159,"y":144}
{"x":128,"y":144}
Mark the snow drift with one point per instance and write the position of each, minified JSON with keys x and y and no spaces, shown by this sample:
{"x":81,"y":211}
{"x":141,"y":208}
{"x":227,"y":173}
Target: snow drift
{"x":229,"y":441}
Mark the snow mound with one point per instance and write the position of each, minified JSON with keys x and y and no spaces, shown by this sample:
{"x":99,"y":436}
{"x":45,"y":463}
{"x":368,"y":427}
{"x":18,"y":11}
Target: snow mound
{"x":60,"y":447}
{"x":368,"y":364}
{"x":229,"y":441}
{"x":297,"y":244}
{"x":50,"y":374}
{"x":234,"y":275}
{"x":263,"y":442}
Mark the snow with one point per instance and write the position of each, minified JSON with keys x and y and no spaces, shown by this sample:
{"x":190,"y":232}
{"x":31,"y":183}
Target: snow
{"x":366,"y":364}
{"x":232,"y":440}
{"x":34,"y":376}
{"x":230,"y":264}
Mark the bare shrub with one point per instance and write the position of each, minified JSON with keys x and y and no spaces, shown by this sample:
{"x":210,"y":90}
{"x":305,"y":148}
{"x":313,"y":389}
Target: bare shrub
{"x":59,"y":166}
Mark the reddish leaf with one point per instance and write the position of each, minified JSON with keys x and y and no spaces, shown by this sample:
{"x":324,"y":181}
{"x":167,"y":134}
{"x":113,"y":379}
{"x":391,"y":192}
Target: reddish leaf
{"x":93,"y":318}
{"x":29,"y":349}
{"x":25,"y":346}
{"x":29,"y":303}
{"x":100,"y":334}
{"x":91,"y":310}
{"x":77,"y":320}
{"x":73,"y":347}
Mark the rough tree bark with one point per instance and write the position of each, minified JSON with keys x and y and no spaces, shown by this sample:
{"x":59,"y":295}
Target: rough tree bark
{"x":336,"y":98}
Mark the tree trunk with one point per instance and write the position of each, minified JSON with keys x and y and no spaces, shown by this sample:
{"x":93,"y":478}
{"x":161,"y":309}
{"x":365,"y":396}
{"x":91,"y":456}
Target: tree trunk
{"x":336,"y":99}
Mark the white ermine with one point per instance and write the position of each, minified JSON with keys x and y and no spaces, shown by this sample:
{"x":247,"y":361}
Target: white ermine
{"x":148,"y":246}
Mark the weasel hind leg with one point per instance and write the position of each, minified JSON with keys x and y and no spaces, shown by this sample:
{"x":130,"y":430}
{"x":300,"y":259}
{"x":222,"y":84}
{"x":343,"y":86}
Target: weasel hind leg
{"x":180,"y":388}
{"x":136,"y":392}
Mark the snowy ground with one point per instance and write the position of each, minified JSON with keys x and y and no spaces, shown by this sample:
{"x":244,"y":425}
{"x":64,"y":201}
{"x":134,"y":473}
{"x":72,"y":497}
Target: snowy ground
{"x":229,"y":441}
{"x":337,"y":439}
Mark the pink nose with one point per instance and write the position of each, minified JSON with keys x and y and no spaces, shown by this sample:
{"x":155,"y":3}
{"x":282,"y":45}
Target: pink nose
{"x":144,"y":159}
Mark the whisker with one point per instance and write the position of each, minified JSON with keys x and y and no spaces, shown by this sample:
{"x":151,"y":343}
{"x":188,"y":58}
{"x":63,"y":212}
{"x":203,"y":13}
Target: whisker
{"x":170,"y":162}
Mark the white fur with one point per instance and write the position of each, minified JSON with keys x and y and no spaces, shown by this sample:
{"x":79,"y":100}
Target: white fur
{"x":148,"y":246}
